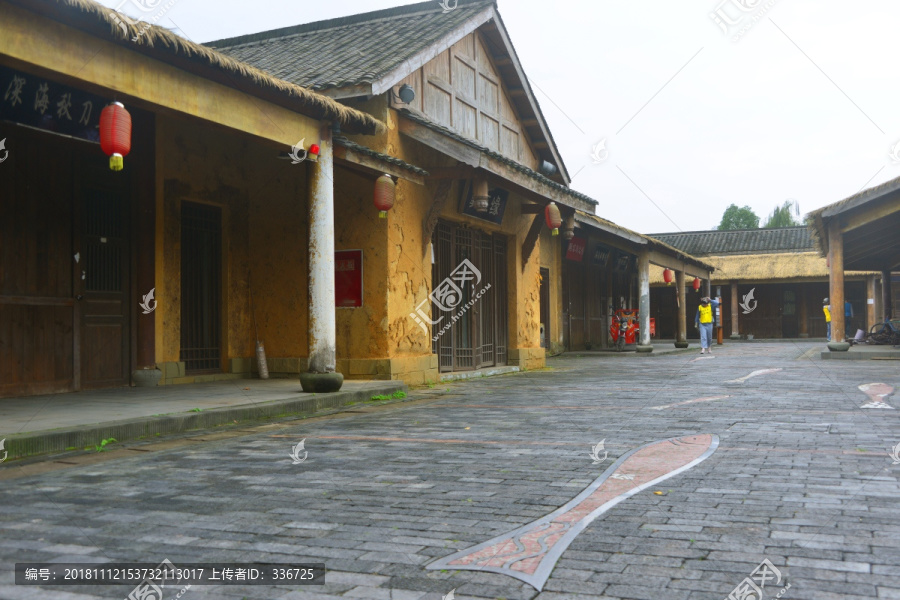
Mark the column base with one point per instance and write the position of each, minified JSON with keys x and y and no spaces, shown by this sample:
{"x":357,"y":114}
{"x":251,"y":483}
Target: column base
{"x":735,"y":336}
{"x":321,"y":383}
{"x":839,"y":346}
{"x":682,"y":344}
{"x":648,"y":348}
{"x":803,"y":336}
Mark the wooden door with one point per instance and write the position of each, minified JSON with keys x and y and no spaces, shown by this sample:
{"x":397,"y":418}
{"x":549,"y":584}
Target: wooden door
{"x":789,"y":324}
{"x":201,"y":287}
{"x":102,"y":281}
{"x":38,"y":333}
{"x":545,"y":308}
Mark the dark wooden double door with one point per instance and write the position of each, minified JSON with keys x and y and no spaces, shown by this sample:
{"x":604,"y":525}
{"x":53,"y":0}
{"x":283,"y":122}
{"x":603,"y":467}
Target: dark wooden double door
{"x":65,"y":264}
{"x":476,"y":337}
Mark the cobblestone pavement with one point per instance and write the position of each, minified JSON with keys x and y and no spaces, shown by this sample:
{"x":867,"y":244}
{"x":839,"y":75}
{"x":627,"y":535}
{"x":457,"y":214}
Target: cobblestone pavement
{"x":802,"y":477}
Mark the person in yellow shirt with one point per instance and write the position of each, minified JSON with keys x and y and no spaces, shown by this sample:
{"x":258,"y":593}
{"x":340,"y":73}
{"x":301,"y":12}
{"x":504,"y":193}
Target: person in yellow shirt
{"x":826,"y":308}
{"x":704,"y":322}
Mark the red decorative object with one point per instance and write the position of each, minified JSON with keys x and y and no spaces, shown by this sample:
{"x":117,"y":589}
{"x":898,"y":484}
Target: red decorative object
{"x":696,"y":284}
{"x":312,"y":154}
{"x":554,"y":219}
{"x":575,"y":251}
{"x":115,"y":134}
{"x":668,"y":276}
{"x":384,"y":195}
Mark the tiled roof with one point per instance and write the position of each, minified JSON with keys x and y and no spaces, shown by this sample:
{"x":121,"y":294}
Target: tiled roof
{"x":340,"y":140}
{"x":742,"y":241}
{"x":358,"y":49}
{"x":422,"y":120}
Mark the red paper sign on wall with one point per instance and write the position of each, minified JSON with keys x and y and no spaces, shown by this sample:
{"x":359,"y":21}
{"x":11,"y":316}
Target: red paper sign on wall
{"x":576,"y":249}
{"x":348,"y":278}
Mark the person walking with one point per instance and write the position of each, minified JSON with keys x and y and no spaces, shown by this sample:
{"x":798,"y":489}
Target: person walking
{"x":704,"y":322}
{"x":848,"y":314}
{"x":826,"y":308}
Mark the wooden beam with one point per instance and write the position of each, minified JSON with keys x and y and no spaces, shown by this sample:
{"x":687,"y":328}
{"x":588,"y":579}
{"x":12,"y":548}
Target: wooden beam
{"x":464,"y":172}
{"x":532,"y":209}
{"x":864,"y":217}
{"x":531,"y":239}
{"x":508,"y":177}
{"x":437,"y":207}
{"x":373,"y":165}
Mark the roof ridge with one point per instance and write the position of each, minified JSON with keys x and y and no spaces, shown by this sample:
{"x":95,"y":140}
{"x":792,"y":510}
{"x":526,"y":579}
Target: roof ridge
{"x":337,"y":22}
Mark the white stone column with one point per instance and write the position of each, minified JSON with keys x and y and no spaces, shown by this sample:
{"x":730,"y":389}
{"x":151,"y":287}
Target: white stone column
{"x":322,"y":334}
{"x":644,"y":293}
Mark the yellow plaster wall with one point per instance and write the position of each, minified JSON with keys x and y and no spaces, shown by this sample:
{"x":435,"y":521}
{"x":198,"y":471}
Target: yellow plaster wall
{"x":551,"y":258}
{"x":361,"y":332}
{"x":264,"y":233}
{"x":407,"y":262}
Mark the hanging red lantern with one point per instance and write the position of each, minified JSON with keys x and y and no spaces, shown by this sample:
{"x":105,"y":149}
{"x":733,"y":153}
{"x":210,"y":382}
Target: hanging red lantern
{"x":668,"y":276}
{"x":696,"y":284}
{"x":554,"y":219}
{"x":115,"y":134}
{"x":312,"y":155}
{"x":384,"y":195}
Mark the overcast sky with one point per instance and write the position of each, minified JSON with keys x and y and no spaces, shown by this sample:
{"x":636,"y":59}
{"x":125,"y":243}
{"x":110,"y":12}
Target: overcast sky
{"x":796,"y":102}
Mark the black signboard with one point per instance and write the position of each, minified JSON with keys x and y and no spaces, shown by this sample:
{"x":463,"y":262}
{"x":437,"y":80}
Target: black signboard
{"x":45,"y":104}
{"x":496,"y":206}
{"x":601,"y":256}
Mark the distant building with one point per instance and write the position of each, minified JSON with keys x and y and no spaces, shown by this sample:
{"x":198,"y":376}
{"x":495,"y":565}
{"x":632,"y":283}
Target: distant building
{"x":782,"y":269}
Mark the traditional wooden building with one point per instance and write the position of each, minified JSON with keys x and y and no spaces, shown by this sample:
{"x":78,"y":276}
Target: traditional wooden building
{"x":772,"y":283}
{"x":457,"y":104}
{"x":861,"y":232}
{"x":106,"y":273}
{"x":602,"y":274}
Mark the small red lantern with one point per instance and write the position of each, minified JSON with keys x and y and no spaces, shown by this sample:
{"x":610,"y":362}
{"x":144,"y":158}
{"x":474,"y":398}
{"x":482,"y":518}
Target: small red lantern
{"x":668,"y":276}
{"x":696,"y":284}
{"x":554,"y":219}
{"x":312,"y":155}
{"x":384,"y":195}
{"x":115,"y":134}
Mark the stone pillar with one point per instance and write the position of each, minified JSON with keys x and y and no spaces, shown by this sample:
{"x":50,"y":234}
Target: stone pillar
{"x":644,"y":294}
{"x":887,"y":301}
{"x":836,"y":285}
{"x":735,"y":314}
{"x":681,"y":323}
{"x":321,"y":376}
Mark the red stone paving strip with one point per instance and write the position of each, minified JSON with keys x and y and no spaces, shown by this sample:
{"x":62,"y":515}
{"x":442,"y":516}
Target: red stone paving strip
{"x":530,"y":553}
{"x":877,"y":393}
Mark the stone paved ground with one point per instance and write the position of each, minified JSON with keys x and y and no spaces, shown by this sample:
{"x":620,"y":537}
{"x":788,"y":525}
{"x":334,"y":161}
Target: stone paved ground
{"x":802,"y":477}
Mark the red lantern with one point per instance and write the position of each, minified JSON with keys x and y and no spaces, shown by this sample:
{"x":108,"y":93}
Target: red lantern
{"x":384,"y":195}
{"x":115,"y":134}
{"x":668,"y":276}
{"x":312,"y":155}
{"x":554,"y":219}
{"x":696,"y":284}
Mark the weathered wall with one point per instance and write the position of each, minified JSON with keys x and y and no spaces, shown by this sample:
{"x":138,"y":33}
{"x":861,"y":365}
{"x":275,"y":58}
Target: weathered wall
{"x":264,"y":232}
{"x":552,"y":251}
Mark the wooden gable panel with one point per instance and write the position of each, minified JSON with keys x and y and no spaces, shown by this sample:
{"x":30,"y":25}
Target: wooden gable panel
{"x":463,"y":90}
{"x":465,"y":119}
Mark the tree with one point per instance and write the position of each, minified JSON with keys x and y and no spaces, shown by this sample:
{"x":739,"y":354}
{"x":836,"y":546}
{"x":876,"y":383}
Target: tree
{"x":783,"y":216}
{"x":738,"y":218}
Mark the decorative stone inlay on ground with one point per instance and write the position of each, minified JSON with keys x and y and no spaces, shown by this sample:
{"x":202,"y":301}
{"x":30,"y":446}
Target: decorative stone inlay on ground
{"x":877,"y":392}
{"x":753,"y":374}
{"x":694,"y":401}
{"x":529,"y":553}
